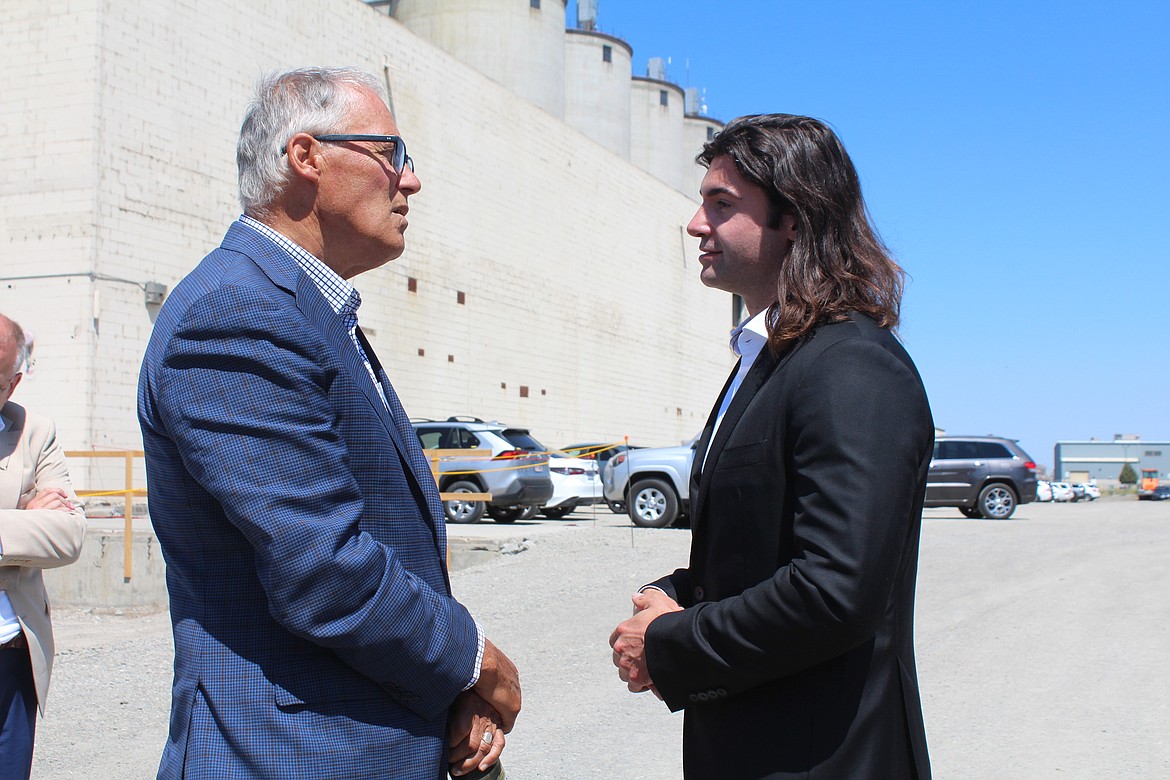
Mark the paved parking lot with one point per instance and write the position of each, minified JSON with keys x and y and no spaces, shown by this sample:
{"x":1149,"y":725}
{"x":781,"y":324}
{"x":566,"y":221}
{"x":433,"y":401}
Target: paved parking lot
{"x":1043,"y":648}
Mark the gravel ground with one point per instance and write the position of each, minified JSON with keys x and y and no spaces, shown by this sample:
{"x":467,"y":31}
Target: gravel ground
{"x":1043,"y":648}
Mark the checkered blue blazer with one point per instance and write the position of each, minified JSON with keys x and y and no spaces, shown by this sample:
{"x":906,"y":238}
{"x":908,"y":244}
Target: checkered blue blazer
{"x":315,"y":632}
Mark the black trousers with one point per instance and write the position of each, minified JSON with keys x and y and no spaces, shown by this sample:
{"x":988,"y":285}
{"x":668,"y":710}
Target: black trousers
{"x":18,"y":714}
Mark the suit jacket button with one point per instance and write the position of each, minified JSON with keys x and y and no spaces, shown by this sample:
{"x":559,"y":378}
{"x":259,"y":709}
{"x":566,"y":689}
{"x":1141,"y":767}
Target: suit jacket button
{"x":692,"y":697}
{"x":699,"y":593}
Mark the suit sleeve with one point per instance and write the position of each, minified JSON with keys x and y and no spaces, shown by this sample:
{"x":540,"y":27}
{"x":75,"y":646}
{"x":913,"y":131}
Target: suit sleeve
{"x":43,"y":538}
{"x":858,"y":428}
{"x":677,"y":585}
{"x":247,"y":406}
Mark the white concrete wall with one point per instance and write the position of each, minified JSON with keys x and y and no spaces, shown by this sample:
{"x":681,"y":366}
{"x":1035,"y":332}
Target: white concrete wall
{"x":656,"y":134}
{"x":520,"y":47}
{"x":121,"y":118}
{"x":597,"y":93}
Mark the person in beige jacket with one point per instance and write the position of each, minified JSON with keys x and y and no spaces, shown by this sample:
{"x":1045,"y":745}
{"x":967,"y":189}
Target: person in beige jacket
{"x":41,"y":527}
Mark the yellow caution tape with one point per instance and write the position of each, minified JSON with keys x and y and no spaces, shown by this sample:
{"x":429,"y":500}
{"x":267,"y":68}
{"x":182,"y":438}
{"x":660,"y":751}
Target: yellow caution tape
{"x":584,"y":453}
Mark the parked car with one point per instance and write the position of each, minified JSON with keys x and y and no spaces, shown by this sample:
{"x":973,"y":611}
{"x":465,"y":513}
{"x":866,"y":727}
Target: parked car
{"x":1062,"y":491}
{"x":602,"y":452}
{"x":1043,"y":490}
{"x":652,"y":482}
{"x":516,"y":479}
{"x":983,"y":476}
{"x":1161,"y":493}
{"x":575,"y":480}
{"x":1085,"y":491}
{"x":598,"y":451}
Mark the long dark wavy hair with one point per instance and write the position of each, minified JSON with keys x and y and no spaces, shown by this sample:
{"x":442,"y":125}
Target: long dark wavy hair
{"x":838,"y":263}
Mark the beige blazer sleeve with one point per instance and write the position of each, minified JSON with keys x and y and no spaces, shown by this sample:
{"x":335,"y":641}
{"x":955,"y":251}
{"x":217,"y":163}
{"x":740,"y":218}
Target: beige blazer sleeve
{"x":33,"y":540}
{"x":31,"y":459}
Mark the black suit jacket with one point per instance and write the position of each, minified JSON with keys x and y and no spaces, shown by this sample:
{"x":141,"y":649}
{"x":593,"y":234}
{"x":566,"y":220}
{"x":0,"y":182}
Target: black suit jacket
{"x":794,"y":656}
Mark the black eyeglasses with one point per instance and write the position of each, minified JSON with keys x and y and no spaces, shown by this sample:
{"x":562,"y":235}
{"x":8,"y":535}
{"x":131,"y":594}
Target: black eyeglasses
{"x":398,"y":156}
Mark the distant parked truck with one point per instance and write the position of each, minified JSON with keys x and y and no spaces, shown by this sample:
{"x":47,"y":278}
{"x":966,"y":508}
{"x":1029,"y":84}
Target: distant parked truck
{"x":1148,"y":485}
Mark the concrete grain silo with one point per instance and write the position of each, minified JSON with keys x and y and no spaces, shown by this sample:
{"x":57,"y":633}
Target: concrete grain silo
{"x":656,"y":129}
{"x":597,"y":88}
{"x":517,"y":43}
{"x":697,"y":130}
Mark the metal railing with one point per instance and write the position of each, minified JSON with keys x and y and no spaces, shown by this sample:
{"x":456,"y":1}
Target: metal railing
{"x":130,"y":492}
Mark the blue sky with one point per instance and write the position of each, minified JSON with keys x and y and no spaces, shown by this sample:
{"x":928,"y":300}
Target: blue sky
{"x":1015,"y":157}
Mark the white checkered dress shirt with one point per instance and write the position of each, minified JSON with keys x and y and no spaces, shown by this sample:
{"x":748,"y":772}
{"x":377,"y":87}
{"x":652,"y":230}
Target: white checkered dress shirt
{"x":339,"y":293}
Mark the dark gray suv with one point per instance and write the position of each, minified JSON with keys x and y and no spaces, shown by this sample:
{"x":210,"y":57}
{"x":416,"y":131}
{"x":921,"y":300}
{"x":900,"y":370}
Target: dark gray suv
{"x":984,"y":476}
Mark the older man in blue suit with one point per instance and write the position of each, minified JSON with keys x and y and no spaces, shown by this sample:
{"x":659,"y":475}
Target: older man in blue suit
{"x":315,"y":631}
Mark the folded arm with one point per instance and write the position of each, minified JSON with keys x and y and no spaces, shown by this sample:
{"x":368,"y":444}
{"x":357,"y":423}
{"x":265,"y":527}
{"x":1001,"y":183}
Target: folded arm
{"x":47,"y":527}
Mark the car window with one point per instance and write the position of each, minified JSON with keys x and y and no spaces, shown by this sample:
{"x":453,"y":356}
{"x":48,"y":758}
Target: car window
{"x":464,"y":439}
{"x":958,"y":450}
{"x":429,"y":438}
{"x":519,"y":438}
{"x":991,"y":449}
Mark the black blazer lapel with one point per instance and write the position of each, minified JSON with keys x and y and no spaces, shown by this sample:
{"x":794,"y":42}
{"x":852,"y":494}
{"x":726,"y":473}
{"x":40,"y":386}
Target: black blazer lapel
{"x":765,"y":366}
{"x":704,"y":440}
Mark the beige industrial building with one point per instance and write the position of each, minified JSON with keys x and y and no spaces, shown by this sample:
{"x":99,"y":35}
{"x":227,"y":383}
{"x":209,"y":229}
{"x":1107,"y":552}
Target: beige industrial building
{"x":548,"y":280}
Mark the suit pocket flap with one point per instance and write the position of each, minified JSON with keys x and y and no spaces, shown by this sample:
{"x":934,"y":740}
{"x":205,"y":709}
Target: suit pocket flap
{"x":743,"y":455}
{"x":314,"y":694}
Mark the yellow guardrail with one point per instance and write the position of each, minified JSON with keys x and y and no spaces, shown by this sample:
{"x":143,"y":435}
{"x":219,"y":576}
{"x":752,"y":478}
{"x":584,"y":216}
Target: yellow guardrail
{"x":129,"y":492}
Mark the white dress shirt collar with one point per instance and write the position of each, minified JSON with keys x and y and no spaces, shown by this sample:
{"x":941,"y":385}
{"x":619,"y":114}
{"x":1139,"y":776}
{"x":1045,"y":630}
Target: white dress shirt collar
{"x":747,"y":340}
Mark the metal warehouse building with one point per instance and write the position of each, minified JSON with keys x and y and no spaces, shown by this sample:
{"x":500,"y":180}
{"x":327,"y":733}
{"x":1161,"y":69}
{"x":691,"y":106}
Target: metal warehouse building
{"x":1080,"y":461}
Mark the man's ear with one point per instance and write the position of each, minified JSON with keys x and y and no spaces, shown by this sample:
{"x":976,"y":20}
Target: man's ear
{"x":304,"y":156}
{"x":788,"y":226}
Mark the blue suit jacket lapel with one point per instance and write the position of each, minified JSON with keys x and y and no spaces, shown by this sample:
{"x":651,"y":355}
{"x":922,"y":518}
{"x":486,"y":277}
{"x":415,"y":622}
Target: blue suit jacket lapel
{"x":411,"y":451}
{"x":286,"y":274}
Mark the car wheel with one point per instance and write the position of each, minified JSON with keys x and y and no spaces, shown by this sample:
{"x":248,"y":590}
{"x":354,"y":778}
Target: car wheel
{"x":971,"y":512}
{"x":997,"y":501}
{"x":556,"y":512}
{"x":459,"y":511}
{"x":652,"y":504}
{"x":617,"y":507}
{"x":506,"y":514}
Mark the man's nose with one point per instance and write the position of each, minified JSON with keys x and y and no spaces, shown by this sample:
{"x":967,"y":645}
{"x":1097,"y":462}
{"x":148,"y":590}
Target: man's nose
{"x":408,"y":181}
{"x":697,"y":227}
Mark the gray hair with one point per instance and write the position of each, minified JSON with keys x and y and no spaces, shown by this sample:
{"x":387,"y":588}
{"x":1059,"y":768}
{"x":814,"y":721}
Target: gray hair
{"x":304,"y":100}
{"x":9,"y":329}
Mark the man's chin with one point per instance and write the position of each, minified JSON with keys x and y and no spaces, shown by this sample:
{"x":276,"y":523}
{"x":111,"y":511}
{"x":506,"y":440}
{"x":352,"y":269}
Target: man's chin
{"x":711,"y":279}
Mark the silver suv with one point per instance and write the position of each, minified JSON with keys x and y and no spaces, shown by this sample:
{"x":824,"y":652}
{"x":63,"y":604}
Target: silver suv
{"x":983,"y":476}
{"x":652,"y":483}
{"x":516,"y":479}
